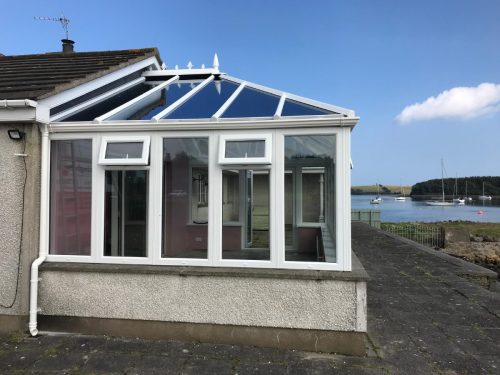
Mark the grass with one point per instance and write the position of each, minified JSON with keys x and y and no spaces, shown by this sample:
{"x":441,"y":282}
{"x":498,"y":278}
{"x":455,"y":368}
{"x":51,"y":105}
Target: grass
{"x":480,"y":229}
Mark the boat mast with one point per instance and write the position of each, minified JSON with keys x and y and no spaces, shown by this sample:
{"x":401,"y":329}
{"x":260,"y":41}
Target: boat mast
{"x":442,"y":177}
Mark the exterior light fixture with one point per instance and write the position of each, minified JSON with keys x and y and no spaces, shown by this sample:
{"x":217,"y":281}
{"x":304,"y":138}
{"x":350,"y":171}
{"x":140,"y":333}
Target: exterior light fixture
{"x":16,"y":134}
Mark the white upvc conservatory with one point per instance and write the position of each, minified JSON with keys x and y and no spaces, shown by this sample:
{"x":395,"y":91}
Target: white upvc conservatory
{"x":194,"y":167}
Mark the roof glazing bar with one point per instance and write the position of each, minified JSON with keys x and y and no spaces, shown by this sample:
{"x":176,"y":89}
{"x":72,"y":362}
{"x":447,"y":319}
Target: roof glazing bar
{"x":136,"y":100}
{"x":80,"y":107}
{"x":281,"y":104}
{"x":300,"y":99}
{"x":228,"y":102}
{"x":183,"y":99}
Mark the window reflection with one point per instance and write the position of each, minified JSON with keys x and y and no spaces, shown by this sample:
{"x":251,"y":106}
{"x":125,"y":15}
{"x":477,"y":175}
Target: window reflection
{"x":310,"y":198}
{"x":185,"y":198}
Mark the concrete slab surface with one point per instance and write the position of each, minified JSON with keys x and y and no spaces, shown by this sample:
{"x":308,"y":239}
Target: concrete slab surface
{"x":423,"y":319}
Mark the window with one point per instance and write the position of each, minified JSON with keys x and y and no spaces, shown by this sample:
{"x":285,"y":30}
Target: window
{"x":124,"y":151}
{"x":245,"y":214}
{"x":125,"y":218}
{"x":245,"y":149}
{"x":309,"y":199}
{"x":185,"y":198}
{"x":70,"y":197}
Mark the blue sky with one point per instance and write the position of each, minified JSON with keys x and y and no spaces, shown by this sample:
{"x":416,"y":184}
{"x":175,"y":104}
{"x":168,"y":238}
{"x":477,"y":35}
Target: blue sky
{"x":376,"y":57}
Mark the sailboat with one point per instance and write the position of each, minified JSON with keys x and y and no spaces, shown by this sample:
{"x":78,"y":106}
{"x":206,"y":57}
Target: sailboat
{"x":484,"y":197}
{"x":402,"y":197}
{"x":457,"y":200}
{"x":377,"y":199}
{"x":467,"y":198}
{"x":441,"y":202}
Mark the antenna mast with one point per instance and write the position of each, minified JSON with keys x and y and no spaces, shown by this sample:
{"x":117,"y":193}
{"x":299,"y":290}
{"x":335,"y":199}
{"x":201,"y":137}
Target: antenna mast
{"x":63,"y":20}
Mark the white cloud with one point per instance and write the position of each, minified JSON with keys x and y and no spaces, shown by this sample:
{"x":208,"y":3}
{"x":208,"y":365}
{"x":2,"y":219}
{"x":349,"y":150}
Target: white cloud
{"x":458,"y":102}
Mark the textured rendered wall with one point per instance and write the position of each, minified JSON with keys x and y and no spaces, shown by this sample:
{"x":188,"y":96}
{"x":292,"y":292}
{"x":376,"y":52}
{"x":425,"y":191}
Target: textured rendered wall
{"x":247,"y":301}
{"x":12,"y":176}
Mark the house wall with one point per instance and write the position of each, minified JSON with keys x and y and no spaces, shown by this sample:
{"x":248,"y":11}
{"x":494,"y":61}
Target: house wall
{"x":286,"y":299}
{"x":15,"y":247}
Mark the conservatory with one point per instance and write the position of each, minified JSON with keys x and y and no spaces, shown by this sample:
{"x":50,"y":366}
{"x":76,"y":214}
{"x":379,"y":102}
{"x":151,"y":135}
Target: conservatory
{"x":190,"y":204}
{"x":195,"y":167}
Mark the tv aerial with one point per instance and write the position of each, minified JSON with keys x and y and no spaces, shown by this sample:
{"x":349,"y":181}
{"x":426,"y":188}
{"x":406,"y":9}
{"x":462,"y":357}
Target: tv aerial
{"x":62,"y":20}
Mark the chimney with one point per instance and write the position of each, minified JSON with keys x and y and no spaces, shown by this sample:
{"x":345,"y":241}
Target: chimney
{"x":67,"y":45}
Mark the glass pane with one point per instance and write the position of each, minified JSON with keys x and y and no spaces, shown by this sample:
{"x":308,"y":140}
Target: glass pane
{"x":310,"y":198}
{"x":293,"y":108}
{"x":313,"y":195}
{"x":70,"y":197}
{"x":125,"y":217}
{"x":185,"y":198}
{"x":245,"y":149}
{"x":105,"y":106}
{"x":162,"y":99}
{"x":206,"y":102}
{"x":245,"y":214}
{"x":252,"y":103}
{"x":124,"y":150}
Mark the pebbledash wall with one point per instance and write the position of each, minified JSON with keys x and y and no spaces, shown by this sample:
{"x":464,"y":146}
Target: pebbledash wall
{"x":18,"y":222}
{"x":309,"y":310}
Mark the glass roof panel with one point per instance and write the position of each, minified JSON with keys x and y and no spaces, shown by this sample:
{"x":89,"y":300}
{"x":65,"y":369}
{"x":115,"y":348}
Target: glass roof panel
{"x":294,"y":108}
{"x":206,"y":102}
{"x":165,"y":98}
{"x":111,"y":103}
{"x":252,"y":103}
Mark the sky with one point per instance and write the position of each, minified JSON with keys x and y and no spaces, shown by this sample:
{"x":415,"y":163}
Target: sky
{"x":423,"y":76}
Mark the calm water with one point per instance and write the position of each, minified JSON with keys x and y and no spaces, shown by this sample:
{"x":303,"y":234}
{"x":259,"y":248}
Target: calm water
{"x":411,"y":210}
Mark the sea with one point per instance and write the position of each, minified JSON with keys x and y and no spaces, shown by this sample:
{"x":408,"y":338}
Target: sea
{"x":416,"y":210}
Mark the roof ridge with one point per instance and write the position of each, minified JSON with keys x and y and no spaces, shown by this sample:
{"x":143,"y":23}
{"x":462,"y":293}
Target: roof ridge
{"x":81,"y":54}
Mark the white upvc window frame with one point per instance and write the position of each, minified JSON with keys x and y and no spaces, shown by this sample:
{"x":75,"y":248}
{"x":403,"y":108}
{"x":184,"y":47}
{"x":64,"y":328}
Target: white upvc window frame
{"x":143,"y":160}
{"x":276,"y":199}
{"x":247,"y":136}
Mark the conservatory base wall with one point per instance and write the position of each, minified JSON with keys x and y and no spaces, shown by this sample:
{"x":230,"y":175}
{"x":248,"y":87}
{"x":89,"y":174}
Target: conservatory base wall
{"x":204,"y":302}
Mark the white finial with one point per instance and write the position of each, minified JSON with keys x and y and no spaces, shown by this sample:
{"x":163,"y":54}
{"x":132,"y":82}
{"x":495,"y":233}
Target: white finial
{"x":177,"y":67}
{"x":163,"y":66}
{"x":190,"y":65}
{"x":202,"y":66}
{"x":216,"y":62}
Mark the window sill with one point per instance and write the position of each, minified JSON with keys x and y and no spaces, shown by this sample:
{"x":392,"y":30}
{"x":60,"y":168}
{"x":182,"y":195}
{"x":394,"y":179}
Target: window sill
{"x":358,"y":273}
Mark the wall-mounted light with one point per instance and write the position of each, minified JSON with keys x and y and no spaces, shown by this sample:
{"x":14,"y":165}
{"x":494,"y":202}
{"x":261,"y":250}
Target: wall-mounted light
{"x":16,"y":134}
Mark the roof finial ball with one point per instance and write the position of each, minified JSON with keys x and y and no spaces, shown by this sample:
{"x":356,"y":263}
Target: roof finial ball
{"x":216,"y":62}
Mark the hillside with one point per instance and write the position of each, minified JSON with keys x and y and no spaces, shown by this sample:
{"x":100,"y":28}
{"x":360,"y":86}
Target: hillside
{"x":474,"y":186}
{"x":384,"y":189}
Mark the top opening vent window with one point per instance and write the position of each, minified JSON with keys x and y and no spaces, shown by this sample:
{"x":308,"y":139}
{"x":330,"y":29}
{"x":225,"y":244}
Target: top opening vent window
{"x":124,"y":151}
{"x":245,"y":149}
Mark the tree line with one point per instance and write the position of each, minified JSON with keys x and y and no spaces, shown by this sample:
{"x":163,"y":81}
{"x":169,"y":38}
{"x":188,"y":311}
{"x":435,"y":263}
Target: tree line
{"x":474,"y":186}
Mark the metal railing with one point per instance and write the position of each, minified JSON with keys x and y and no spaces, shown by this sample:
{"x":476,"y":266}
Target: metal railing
{"x":427,"y":235}
{"x":370,"y":217}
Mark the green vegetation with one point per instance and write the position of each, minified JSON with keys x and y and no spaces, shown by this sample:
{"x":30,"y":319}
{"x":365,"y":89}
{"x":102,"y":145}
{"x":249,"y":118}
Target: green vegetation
{"x":479,"y":229}
{"x":384,"y":189}
{"x":474,"y":186}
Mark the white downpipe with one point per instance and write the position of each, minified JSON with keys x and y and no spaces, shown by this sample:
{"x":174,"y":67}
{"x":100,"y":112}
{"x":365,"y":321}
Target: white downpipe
{"x":44,"y":198}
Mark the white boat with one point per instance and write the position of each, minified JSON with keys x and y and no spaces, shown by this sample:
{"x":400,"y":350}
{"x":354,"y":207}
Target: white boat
{"x":466,"y":198}
{"x":459,"y":201}
{"x":439,"y":203}
{"x":484,"y":197}
{"x":442,"y":202}
{"x":402,"y":197}
{"x":377,"y":199}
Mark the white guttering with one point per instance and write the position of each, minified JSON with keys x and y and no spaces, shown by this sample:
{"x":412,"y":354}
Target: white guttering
{"x":17,"y":103}
{"x":44,"y":198}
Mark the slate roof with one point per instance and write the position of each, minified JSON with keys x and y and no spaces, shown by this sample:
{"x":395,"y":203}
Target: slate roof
{"x":43,"y":75}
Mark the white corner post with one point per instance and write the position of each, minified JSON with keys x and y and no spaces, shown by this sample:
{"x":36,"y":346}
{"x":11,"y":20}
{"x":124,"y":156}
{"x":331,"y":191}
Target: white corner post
{"x":44,"y":199}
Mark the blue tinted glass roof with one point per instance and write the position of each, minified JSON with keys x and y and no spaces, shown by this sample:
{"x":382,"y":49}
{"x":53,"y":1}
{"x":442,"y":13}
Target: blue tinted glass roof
{"x":294,"y":108}
{"x":252,"y":103}
{"x":107,"y":105}
{"x":206,"y":102}
{"x":169,"y":95}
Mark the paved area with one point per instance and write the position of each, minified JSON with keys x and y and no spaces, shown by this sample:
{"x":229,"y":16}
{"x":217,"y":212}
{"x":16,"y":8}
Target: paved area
{"x":423,"y":319}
